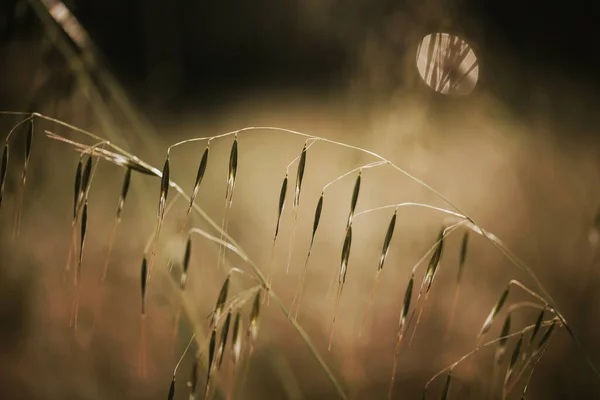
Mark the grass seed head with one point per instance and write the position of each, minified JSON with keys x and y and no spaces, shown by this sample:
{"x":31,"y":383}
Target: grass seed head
{"x":144,"y":281}
{"x":434,"y":261}
{"x":354,"y":200}
{"x":345,"y":255}
{"x":84,"y":220}
{"x":233,"y":164}
{"x":3,"y":170}
{"x":223,"y":342}
{"x":536,"y":327}
{"x":513,"y":360}
{"x":463,"y":256}
{"x":77,"y":192}
{"x":503,"y":340}
{"x":300,"y":176}
{"x":211,"y":357}
{"x":406,"y":304}
{"x":254,"y":316}
{"x":199,"y":176}
{"x":171,"y":395}
{"x":186,"y":261}
{"x":164,"y":189}
{"x":282,"y":194}
{"x":85,"y":177}
{"x":387,"y":241}
{"x":236,"y":344}
{"x":124,"y":191}
{"x":546,"y":336}
{"x":317,"y":218}
{"x":490,"y":319}
{"x":220,"y":305}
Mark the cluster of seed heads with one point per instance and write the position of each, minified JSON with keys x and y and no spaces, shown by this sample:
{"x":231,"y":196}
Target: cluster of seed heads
{"x":223,"y":313}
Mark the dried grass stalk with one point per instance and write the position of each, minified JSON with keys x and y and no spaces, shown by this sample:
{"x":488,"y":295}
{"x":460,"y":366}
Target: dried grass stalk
{"x":490,"y":319}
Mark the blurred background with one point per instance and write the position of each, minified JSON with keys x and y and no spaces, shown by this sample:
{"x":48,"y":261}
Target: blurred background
{"x":514,"y":143}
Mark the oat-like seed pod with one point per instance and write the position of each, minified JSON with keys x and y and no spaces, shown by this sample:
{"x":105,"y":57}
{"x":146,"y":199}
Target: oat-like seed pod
{"x":231,"y":175}
{"x":545,"y":338}
{"x":513,"y":360}
{"x":85,"y":179}
{"x":144,"y":283}
{"x":354,"y":201}
{"x":124,"y":191}
{"x":463,"y":256}
{"x":503,"y":340}
{"x":282,"y":194}
{"x":401,"y":329}
{"x":488,"y":322}
{"x":300,"y":176}
{"x":77,"y":192}
{"x":236,"y":344}
{"x":171,"y":395}
{"x":345,"y":255}
{"x":342,"y":278}
{"x":434,"y":262}
{"x":186,"y":262}
{"x":211,"y":357}
{"x":536,"y":328}
{"x":220,"y":303}
{"x":317,"y":219}
{"x":254,"y":315}
{"x":223,"y":343}
{"x":199,"y":176}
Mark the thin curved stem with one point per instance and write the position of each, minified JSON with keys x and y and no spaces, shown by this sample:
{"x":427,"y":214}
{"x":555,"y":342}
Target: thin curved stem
{"x":480,"y":347}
